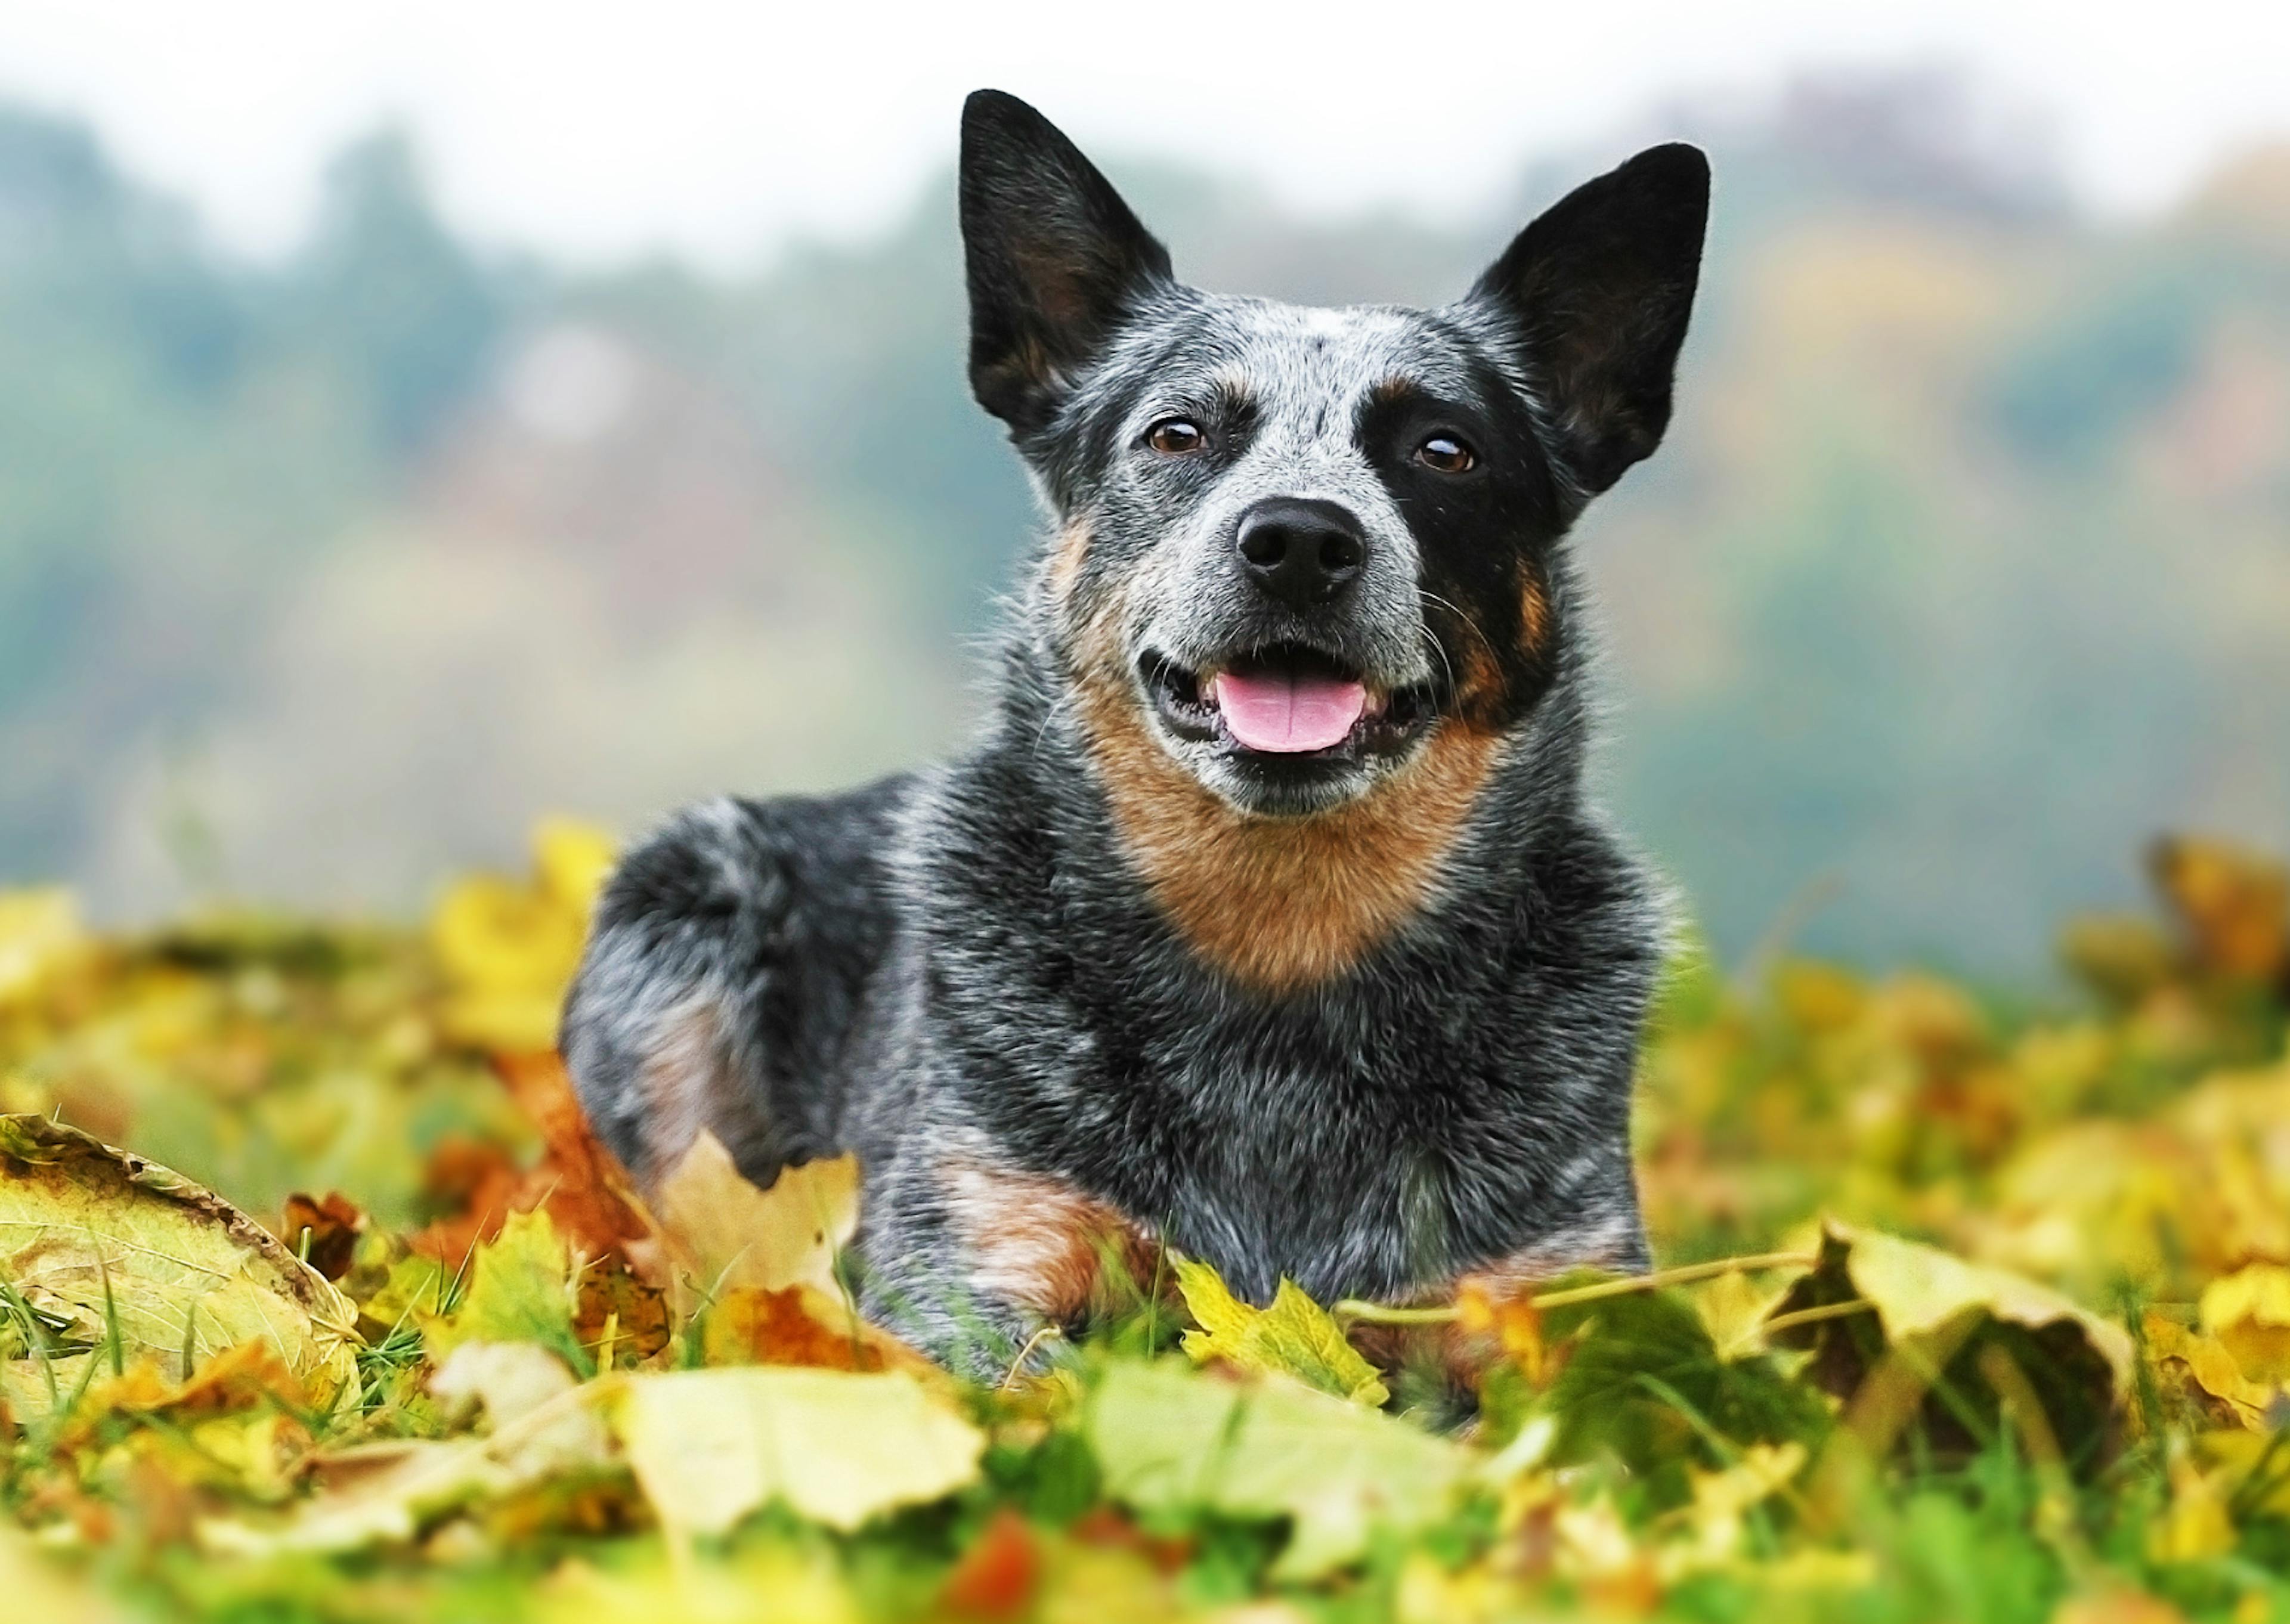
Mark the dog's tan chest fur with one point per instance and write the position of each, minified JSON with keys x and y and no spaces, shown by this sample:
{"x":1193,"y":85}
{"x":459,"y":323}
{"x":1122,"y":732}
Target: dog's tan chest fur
{"x":1280,"y":903}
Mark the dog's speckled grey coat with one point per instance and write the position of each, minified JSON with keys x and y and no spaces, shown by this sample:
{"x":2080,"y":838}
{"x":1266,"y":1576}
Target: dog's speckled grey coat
{"x":966,"y":967}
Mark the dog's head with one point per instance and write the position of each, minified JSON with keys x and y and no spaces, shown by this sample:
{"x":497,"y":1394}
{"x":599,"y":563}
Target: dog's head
{"x":1301,"y":542}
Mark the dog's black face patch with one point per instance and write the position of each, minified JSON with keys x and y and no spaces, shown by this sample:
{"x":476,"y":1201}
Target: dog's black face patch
{"x":1304,"y":543}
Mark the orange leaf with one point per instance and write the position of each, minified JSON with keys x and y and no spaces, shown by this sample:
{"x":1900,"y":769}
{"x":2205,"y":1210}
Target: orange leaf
{"x":999,"y":1574}
{"x":801,"y":1324}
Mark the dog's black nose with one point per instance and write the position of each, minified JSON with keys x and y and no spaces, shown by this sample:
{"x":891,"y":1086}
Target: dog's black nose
{"x":1300,"y":549}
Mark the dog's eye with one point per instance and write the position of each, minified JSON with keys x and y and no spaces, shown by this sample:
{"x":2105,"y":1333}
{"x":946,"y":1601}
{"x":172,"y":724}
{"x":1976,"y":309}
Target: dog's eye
{"x":1175,"y":437}
{"x":1443,"y":453}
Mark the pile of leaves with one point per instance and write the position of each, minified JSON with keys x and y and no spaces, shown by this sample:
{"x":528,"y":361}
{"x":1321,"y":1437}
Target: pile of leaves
{"x":1972,"y":1309}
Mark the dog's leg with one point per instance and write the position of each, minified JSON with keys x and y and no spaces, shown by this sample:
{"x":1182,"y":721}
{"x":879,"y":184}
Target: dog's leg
{"x":667,"y":1027}
{"x":981,"y":1263}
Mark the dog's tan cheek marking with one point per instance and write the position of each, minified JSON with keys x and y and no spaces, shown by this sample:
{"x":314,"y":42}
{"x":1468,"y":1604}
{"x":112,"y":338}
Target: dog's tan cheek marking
{"x":1534,"y":614}
{"x":687,"y":1084}
{"x":1280,"y":904}
{"x":1065,"y":562}
{"x":1037,"y":1241}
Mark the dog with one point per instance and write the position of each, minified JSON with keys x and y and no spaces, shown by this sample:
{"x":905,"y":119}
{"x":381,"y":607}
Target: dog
{"x":1267,"y":920}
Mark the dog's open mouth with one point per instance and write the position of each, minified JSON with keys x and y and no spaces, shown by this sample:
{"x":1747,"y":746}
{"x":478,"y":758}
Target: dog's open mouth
{"x":1286,"y":700}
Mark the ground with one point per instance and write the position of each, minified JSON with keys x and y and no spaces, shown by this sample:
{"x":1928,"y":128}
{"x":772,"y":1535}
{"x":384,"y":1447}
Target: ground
{"x":318,"y":1302}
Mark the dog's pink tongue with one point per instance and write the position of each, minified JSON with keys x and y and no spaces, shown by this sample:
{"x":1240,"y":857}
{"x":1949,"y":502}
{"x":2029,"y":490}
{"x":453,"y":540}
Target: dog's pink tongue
{"x":1274,"y":711}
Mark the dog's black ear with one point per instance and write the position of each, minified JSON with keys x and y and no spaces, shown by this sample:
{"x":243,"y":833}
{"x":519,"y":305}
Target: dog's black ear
{"x":1598,"y":291}
{"x":1054,"y":258}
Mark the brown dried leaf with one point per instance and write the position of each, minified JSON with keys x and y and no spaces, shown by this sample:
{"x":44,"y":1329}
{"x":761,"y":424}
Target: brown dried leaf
{"x":323,"y":1233}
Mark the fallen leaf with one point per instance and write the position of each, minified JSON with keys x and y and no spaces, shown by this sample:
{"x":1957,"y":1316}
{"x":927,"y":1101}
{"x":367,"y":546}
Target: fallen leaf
{"x":1946,"y":1326}
{"x":1272,"y":1447}
{"x":589,"y":1194}
{"x":322,"y":1232}
{"x":2249,"y":1313}
{"x":508,"y":948}
{"x":721,"y":1232}
{"x":40,"y":933}
{"x":544,"y":1427}
{"x":1295,"y":1337}
{"x":709,"y":1446}
{"x":39,"y":1589}
{"x":2116,"y":1603}
{"x":758,"y":1584}
{"x":138,"y":1260}
{"x":2233,"y":904}
{"x":512,"y":1381}
{"x":520,"y":1290}
{"x":1514,"y":1324}
{"x":2226,"y":1396}
{"x":1915,"y":1289}
{"x":622,"y":1318}
{"x":476,"y":1184}
{"x":998,"y":1576}
{"x":236,"y":1378}
{"x":1733,"y":1310}
{"x":801,"y":1324}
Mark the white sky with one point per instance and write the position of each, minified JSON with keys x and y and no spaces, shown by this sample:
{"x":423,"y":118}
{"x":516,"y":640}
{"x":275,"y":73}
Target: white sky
{"x":720,"y":129}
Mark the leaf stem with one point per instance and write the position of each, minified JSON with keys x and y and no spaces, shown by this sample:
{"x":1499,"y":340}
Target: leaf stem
{"x":1812,"y":1317}
{"x":1377,"y":1313}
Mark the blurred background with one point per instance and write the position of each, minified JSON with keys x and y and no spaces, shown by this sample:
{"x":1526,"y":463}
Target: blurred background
{"x":413,"y":419}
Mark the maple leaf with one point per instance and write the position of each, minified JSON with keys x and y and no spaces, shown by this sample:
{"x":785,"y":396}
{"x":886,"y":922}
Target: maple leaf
{"x":720,"y":1232}
{"x":1295,"y":1337}
{"x":801,"y":1324}
{"x":520,"y":1290}
{"x":508,"y":948}
{"x":583,"y":1186}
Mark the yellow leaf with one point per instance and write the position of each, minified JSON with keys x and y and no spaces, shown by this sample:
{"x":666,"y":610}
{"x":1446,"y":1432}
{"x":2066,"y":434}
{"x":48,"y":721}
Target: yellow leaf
{"x":2116,"y":1603}
{"x":1166,"y":1440}
{"x":114,"y":1246}
{"x":543,"y":1426}
{"x":508,"y":948}
{"x":1295,"y":1337}
{"x":767,"y":1584}
{"x":709,"y":1446}
{"x":1513,"y":1321}
{"x":573,"y":860}
{"x":513,"y":1381}
{"x":1917,"y":1289}
{"x":2249,"y":1313}
{"x":2196,"y":1526}
{"x":39,"y":932}
{"x":721,"y":1232}
{"x":2208,"y":1363}
{"x":39,"y":1589}
{"x":1733,"y":1310}
{"x":1722,"y":1499}
{"x":520,"y":1290}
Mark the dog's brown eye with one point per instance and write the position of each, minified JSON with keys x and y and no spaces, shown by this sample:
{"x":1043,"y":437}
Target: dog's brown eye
{"x":1443,"y":453}
{"x":1174,"y":436}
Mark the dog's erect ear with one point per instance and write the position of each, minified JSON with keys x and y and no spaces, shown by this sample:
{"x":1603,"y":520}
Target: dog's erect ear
{"x":1054,"y":258}
{"x":1598,"y":290}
